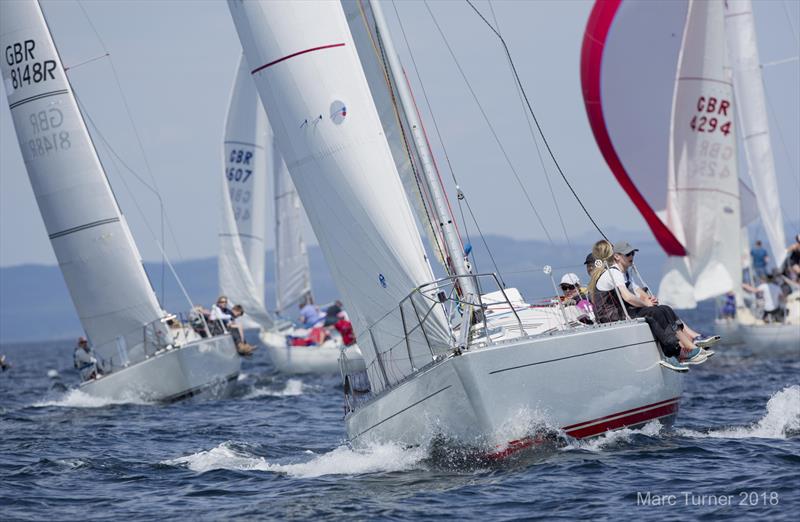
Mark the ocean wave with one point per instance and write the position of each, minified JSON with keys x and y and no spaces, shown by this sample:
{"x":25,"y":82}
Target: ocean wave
{"x":340,"y":461}
{"x":293,"y":387}
{"x":614,"y":438}
{"x":781,"y":421}
{"x":78,"y":399}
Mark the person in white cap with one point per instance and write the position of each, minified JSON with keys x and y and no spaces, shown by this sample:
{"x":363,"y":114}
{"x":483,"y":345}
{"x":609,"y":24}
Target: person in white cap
{"x":575,"y":294}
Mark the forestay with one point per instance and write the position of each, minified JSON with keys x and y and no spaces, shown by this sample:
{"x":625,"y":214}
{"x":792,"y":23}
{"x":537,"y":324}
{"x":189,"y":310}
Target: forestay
{"x":96,"y":253}
{"x":382,"y":85}
{"x":243,"y":220}
{"x":751,"y":104}
{"x":327,"y":127}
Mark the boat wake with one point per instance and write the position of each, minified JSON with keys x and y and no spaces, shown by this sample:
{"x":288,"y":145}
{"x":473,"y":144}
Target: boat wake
{"x":614,"y":439}
{"x":782,"y":420}
{"x":342,"y":460}
{"x":292,"y":388}
{"x":78,"y":399}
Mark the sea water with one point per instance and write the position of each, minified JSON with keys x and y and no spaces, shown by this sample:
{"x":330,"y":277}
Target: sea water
{"x":277,"y":450}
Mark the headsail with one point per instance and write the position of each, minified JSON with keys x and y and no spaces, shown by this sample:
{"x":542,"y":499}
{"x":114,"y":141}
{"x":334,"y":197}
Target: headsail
{"x":243,"y":222}
{"x":292,"y":272}
{"x":749,"y":87}
{"x":96,"y":253}
{"x":671,"y":134}
{"x":329,"y":132}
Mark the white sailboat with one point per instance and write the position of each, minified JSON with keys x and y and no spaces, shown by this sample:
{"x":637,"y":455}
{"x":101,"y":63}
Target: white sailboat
{"x":469,"y":381}
{"x":664,"y":114}
{"x":146,"y":353}
{"x":250,"y":160}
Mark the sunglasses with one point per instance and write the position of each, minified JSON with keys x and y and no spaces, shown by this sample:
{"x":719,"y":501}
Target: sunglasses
{"x":566,"y":287}
{"x":630,"y":255}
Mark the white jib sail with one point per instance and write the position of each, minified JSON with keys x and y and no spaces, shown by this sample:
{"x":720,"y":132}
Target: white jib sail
{"x":329,"y":132}
{"x":243,"y":223}
{"x":703,"y":198}
{"x":751,"y":103}
{"x":292,"y":271}
{"x":98,"y":259}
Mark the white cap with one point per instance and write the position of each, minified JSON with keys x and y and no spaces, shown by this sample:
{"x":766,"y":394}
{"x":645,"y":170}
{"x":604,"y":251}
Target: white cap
{"x":570,"y":279}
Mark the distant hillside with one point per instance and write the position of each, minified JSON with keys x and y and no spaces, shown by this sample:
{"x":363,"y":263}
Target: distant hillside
{"x":35,"y":304}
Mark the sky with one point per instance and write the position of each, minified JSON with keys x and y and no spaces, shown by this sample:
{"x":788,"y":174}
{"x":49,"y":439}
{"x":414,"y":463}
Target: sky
{"x":175,"y":63}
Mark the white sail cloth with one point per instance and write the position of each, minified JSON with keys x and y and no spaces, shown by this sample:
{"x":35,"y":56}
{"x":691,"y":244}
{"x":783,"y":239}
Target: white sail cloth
{"x":243,"y":220}
{"x":703,"y":209}
{"x":292,"y":271}
{"x":329,"y":132}
{"x":751,"y":104}
{"x":96,"y":253}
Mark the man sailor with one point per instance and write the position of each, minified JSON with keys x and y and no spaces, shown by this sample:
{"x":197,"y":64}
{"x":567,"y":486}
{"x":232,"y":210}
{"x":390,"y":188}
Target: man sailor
{"x":84,"y":360}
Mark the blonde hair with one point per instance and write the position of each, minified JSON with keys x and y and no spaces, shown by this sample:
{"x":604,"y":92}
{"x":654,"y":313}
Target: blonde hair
{"x":602,"y":251}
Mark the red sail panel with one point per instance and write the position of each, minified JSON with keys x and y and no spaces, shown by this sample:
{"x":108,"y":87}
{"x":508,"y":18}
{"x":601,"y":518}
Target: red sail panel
{"x":628,"y":66}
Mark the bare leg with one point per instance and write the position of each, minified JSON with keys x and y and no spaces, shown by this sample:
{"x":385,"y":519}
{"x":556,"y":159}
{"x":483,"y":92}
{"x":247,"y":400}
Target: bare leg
{"x":686,"y":342}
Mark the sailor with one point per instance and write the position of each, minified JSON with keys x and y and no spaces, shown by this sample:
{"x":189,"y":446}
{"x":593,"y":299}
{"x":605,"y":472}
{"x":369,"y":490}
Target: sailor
{"x":310,"y":314}
{"x":610,"y":284}
{"x":84,"y":360}
{"x":760,"y":259}
{"x":772,"y":298}
{"x":220,"y":316}
{"x":589,"y":262}
{"x":575,"y":294}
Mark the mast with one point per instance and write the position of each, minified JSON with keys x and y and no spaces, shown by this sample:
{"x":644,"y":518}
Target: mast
{"x":455,"y":250}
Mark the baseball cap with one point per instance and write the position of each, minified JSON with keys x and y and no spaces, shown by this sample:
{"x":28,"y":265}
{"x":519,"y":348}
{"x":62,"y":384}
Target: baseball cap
{"x":589,"y":259}
{"x":624,"y":248}
{"x":570,"y":279}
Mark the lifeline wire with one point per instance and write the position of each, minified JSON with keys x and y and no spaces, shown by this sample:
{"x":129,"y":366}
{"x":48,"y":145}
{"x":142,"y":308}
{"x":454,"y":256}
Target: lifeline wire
{"x":535,"y":120}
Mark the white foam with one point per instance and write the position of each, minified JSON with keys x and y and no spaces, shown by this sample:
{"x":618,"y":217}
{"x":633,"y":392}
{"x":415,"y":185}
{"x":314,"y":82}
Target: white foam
{"x":77,"y":399}
{"x":292,"y":388}
{"x":339,"y":461}
{"x":52,"y":373}
{"x":611,"y":438}
{"x":782,"y":418}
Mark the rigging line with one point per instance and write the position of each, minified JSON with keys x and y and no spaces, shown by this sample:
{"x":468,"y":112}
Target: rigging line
{"x":533,"y":114}
{"x":485,"y":244}
{"x":536,"y":145}
{"x":378,"y":48}
{"x":460,"y":194}
{"x":114,"y":154}
{"x":141,"y":149}
{"x":791,"y":23}
{"x":136,"y":203}
{"x":466,"y":233}
{"x":491,"y":128}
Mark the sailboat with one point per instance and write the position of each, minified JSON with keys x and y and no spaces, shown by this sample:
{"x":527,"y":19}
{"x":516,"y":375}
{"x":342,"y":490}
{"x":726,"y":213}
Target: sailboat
{"x":665,"y":114}
{"x":145,"y":353}
{"x":470,"y":379}
{"x":250,"y":160}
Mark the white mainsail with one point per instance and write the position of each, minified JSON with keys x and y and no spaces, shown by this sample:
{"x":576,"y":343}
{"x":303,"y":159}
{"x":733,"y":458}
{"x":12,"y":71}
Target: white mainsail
{"x":329,"y":132}
{"x":703,"y":210}
{"x":751,"y":103}
{"x":243,"y":221}
{"x":292,"y":271}
{"x":97,"y":256}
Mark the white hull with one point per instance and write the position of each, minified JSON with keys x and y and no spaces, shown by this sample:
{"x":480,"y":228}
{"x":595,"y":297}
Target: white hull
{"x":207,"y":366}
{"x":762,"y":337}
{"x":295,"y":360}
{"x":489,"y":395}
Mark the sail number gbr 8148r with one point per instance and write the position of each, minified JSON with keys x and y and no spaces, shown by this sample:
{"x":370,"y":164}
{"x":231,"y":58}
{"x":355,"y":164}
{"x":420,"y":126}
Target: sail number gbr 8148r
{"x":24,"y":68}
{"x":712,"y":116}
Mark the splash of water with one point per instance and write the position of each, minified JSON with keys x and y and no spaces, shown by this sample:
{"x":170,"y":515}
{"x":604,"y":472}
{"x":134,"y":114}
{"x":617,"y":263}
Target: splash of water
{"x":339,"y":461}
{"x":610,"y":439}
{"x":78,"y":399}
{"x":781,"y":421}
{"x":292,"y":388}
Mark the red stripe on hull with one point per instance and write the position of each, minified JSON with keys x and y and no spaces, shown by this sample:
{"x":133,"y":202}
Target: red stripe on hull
{"x":298,"y":53}
{"x":598,"y":426}
{"x":623,"y":422}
